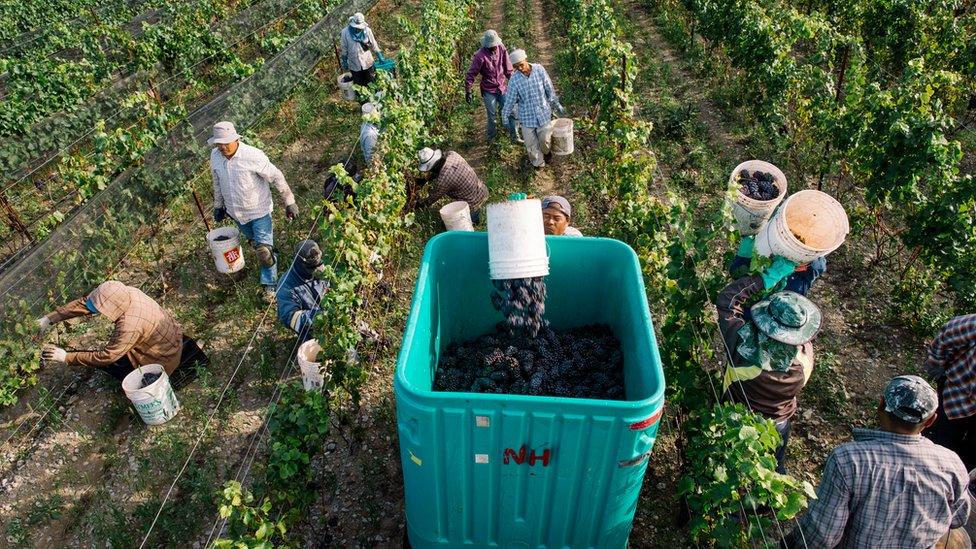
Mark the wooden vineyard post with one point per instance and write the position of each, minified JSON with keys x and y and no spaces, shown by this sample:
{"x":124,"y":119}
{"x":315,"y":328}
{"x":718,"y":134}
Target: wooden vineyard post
{"x":203,"y":216}
{"x":14,"y":220}
{"x":335,"y":48}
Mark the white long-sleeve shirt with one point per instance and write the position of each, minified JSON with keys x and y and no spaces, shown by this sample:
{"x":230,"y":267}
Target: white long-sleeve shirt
{"x":353,"y":56}
{"x":242,"y":183}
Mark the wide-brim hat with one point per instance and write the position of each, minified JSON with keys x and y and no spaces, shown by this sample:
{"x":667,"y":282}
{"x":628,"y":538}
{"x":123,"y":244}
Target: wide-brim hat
{"x":787,"y":317}
{"x":517,"y":57}
{"x":223,"y":133}
{"x":490,"y":39}
{"x":358,"y":21}
{"x":428,"y":157}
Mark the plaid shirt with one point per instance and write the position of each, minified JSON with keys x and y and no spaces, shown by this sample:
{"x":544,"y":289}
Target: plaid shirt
{"x":533,"y":95}
{"x":458,"y":181}
{"x":953,"y":355}
{"x":885,"y":490}
{"x":241,"y":183}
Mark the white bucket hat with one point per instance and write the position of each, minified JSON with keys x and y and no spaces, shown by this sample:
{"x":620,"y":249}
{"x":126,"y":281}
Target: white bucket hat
{"x":370,"y":108}
{"x":517,"y":57}
{"x":223,"y":133}
{"x":428,"y":157}
{"x":490,"y":39}
{"x":357,"y":21}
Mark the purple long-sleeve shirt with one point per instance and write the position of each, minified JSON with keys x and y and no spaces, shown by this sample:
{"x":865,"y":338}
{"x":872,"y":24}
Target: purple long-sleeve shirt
{"x":493,"y":66}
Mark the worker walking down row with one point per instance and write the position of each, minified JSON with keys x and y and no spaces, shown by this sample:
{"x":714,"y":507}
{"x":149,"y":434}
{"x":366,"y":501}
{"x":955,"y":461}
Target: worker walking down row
{"x":492,"y":64}
{"x":145,"y":333}
{"x":242,"y":176}
{"x":358,"y":46}
{"x":531,"y":92}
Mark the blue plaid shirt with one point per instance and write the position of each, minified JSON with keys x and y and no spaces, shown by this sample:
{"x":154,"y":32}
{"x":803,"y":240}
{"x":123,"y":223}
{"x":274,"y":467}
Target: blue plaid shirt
{"x":533,"y":95}
{"x":952,"y":355}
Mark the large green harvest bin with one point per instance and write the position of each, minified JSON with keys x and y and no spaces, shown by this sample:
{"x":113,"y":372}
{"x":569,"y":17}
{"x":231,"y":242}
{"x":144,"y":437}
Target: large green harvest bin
{"x":486,"y":470}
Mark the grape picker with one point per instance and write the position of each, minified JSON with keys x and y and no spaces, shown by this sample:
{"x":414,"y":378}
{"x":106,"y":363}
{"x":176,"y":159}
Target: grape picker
{"x":531,"y":92}
{"x":358,"y":46}
{"x":242,"y":176}
{"x":369,"y":130}
{"x":556,"y":213}
{"x":301,"y":292}
{"x":453,"y":177}
{"x":145,"y":333}
{"x":799,"y":281}
{"x":492,"y":63}
{"x":952,"y":364}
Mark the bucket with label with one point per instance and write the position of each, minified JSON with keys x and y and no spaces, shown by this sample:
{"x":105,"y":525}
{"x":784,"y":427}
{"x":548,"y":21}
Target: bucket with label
{"x":346,"y":88}
{"x":562,"y":137}
{"x":312,"y":377}
{"x":807,"y":225}
{"x":156,"y":403}
{"x":225,"y":246}
{"x":750,"y":213}
{"x":457,"y":216}
{"x":516,"y":240}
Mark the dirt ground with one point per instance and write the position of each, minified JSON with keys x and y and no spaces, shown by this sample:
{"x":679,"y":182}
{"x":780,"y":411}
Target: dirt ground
{"x":78,"y":469}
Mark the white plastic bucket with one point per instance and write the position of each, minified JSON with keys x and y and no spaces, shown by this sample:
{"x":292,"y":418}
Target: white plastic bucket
{"x":457,"y":216}
{"x":346,"y":88}
{"x":562,"y":137}
{"x":750,"y":213}
{"x":516,"y":240}
{"x":807,"y":225}
{"x":156,"y":403}
{"x":312,"y":377}
{"x":228,"y":254}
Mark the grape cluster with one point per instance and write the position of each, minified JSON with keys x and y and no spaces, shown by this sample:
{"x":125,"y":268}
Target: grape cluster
{"x":759,"y":185}
{"x":522,"y":301}
{"x":149,"y":379}
{"x":585,"y":362}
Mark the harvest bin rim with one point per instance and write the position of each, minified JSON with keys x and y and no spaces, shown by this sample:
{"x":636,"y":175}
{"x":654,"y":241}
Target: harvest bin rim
{"x":656,"y":398}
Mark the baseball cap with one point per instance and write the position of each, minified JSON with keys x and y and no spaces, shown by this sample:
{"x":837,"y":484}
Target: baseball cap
{"x":910,"y":399}
{"x":558,"y":202}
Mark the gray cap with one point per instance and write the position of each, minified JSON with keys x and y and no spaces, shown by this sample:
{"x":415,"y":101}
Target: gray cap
{"x":559,"y":203}
{"x":517,"y":57}
{"x":309,"y":254}
{"x":910,"y":399}
{"x":223,"y":133}
{"x":490,"y":39}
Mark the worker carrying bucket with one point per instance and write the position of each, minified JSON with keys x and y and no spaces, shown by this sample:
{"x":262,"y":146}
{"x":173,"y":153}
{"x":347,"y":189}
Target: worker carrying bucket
{"x":144,"y":334}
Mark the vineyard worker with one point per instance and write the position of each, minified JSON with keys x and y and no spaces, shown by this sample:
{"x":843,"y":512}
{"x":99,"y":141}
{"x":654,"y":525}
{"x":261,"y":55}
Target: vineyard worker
{"x":531,"y":92}
{"x":890,"y":487}
{"x":952,"y":364}
{"x":358,"y":46}
{"x":492,"y":63}
{"x":242,"y":176}
{"x":145,"y":333}
{"x":800,"y":281}
{"x":452,"y":177}
{"x":556,"y":213}
{"x":301,"y":292}
{"x":369,"y":131}
{"x":771,"y":354}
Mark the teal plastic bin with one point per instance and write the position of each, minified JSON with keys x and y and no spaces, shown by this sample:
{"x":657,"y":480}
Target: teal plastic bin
{"x":487,"y":470}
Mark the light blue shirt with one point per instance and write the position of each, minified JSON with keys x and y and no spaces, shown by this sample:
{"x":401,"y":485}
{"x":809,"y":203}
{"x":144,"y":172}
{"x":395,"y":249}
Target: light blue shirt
{"x":368,"y":134}
{"x":533,"y":95}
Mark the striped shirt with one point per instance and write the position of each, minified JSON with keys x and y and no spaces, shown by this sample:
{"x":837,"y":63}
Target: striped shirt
{"x":953,"y":355}
{"x":533,"y":95}
{"x":885,"y":490}
{"x":241,"y":183}
{"x":458,"y":181}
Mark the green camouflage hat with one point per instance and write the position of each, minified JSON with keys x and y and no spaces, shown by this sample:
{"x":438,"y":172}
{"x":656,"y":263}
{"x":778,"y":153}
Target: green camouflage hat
{"x":787,"y":317}
{"x":910,"y":399}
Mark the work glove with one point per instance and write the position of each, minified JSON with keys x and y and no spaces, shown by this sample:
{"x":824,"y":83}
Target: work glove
{"x":220,"y":214}
{"x":43,"y":324}
{"x":775,"y":273}
{"x":746,"y":246}
{"x":558,"y":107}
{"x":56,"y":354}
{"x":291,"y":211}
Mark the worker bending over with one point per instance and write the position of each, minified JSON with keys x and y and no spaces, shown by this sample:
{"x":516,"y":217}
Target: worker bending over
{"x":952,"y":364}
{"x":301,"y":292}
{"x":145,"y":333}
{"x":451,"y":176}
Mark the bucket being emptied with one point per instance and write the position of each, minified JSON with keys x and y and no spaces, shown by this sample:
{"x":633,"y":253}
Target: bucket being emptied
{"x":750,"y":213}
{"x":312,"y":377}
{"x":156,"y":402}
{"x":457,"y":216}
{"x":225,"y":245}
{"x":807,"y":225}
{"x":562,"y":137}
{"x":346,"y":88}
{"x":516,"y":240}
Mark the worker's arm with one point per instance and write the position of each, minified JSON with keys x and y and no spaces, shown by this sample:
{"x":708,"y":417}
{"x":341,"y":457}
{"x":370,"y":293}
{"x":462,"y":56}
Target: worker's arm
{"x":74,"y":309}
{"x":270,"y":173}
{"x":218,"y":196}
{"x":436,"y":193}
{"x":509,"y":68}
{"x":121,"y":342}
{"x":373,"y":44}
{"x":344,"y":50}
{"x":476,"y":63}
{"x":957,"y":334}
{"x":961,"y":508}
{"x":550,"y":90}
{"x":826,"y":518}
{"x":511,"y":100}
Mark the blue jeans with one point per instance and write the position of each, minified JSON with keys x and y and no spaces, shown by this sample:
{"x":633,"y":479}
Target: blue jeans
{"x":261,"y":231}
{"x":783,"y":428}
{"x":494,"y":103}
